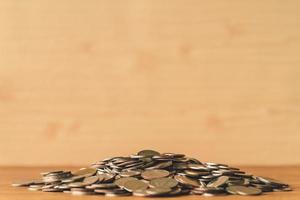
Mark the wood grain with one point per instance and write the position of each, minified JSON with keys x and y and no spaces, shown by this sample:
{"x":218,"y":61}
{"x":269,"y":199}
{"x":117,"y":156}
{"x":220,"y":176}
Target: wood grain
{"x":80,"y":81}
{"x":8,"y":175}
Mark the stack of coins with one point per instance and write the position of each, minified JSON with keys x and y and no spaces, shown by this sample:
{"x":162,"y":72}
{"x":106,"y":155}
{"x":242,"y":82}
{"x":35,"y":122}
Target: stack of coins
{"x":150,"y":173}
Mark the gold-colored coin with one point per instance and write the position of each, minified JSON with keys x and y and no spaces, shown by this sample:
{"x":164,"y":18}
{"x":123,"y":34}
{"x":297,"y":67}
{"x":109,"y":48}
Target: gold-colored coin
{"x":243,"y":190}
{"x":121,"y":181}
{"x":186,"y":181}
{"x":148,"y":153}
{"x":85,"y":172}
{"x":218,"y":182}
{"x":155,"y":173}
{"x":163,"y":182}
{"x":134,"y":185}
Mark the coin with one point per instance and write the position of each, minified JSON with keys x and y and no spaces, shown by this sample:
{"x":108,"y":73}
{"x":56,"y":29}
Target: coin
{"x":180,"y":166}
{"x":243,"y":190}
{"x":35,"y":187}
{"x":55,"y":176}
{"x":197,"y":167}
{"x":140,"y":193}
{"x":90,"y":180}
{"x":51,"y":172}
{"x":175,"y":191}
{"x":76,"y":184}
{"x":218,"y":182}
{"x":102,"y":186}
{"x":163,"y":182}
{"x":148,"y":153}
{"x":73,"y":179}
{"x":286,"y":189}
{"x":158,"y":191}
{"x":82,"y":192}
{"x":269,"y":180}
{"x":194,"y":173}
{"x":173,"y":155}
{"x":52,"y":190}
{"x":186,"y":181}
{"x":85,"y":172}
{"x":105,"y":177}
{"x":149,"y":173}
{"x":117,"y":194}
{"x":161,"y":165}
{"x":129,"y":173}
{"x":134,"y":185}
{"x":121,"y":181}
{"x":155,"y":173}
{"x":62,"y":186}
{"x":22,"y":183}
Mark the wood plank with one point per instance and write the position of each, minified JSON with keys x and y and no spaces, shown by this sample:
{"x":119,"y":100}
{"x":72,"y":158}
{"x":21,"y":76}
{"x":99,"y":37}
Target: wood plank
{"x":217,"y":80}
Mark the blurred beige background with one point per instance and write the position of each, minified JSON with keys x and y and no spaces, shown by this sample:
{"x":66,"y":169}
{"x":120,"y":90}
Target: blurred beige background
{"x":84,"y":80}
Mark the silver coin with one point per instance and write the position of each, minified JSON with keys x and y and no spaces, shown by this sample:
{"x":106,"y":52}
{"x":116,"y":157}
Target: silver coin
{"x":218,"y":182}
{"x":163,"y":183}
{"x":148,"y":153}
{"x":158,"y":191}
{"x":52,"y":190}
{"x":155,"y":173}
{"x":129,"y":173}
{"x":85,"y":172}
{"x":90,"y":180}
{"x":134,"y":185}
{"x":121,"y":181}
{"x":102,"y":186}
{"x":243,"y":190}
{"x":186,"y":181}
{"x":22,"y":183}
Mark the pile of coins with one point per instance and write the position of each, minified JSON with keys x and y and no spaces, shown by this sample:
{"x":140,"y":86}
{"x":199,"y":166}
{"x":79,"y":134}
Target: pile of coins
{"x":151,"y":174}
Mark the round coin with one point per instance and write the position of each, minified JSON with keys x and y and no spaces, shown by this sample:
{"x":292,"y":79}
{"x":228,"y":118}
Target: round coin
{"x":102,"y":186}
{"x":117,"y":194}
{"x":186,"y":181}
{"x":163,"y":183}
{"x":79,"y":193}
{"x":129,"y":173}
{"x":270,"y":180}
{"x":148,"y":153}
{"x":85,"y":172}
{"x":77,"y":185}
{"x":105,"y":177}
{"x":175,"y":191}
{"x":73,"y":179}
{"x":51,"y":172}
{"x":158,"y":191}
{"x":134,"y":185}
{"x":194,"y":173}
{"x":218,"y":182}
{"x":155,"y":173}
{"x":196,"y":166}
{"x":243,"y":190}
{"x":140,"y":193}
{"x":121,"y":181}
{"x":52,"y":190}
{"x":161,"y":165}
{"x":35,"y":187}
{"x":22,"y":183}
{"x":90,"y":180}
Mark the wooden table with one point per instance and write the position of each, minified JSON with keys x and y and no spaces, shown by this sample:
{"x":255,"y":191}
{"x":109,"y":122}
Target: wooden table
{"x":290,"y":175}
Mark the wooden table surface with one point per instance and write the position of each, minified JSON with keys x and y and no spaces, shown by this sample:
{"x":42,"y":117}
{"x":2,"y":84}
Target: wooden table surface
{"x":288,"y":174}
{"x":172,"y":75}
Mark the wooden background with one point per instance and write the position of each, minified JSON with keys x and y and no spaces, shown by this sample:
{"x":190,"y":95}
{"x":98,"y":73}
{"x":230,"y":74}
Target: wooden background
{"x":83,"y":80}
